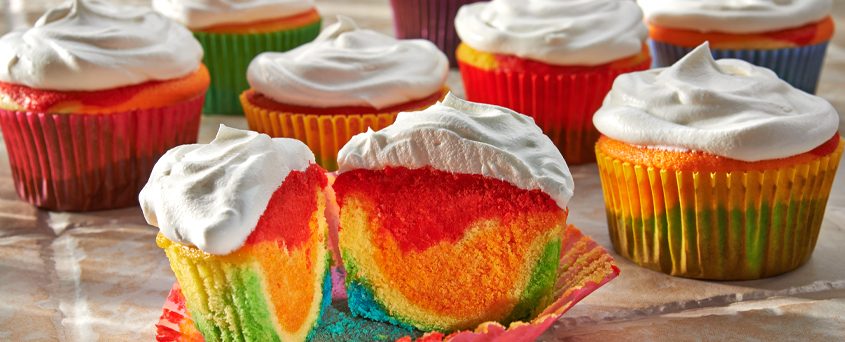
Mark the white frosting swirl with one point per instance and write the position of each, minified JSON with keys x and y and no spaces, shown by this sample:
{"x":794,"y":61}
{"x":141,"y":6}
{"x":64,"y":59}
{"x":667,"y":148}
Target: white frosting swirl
{"x":348,"y":66}
{"x":212,"y":195}
{"x":463,"y":137}
{"x":199,"y":14}
{"x":728,"y":108}
{"x":560,"y":32}
{"x":735,"y":16}
{"x":91,"y":45}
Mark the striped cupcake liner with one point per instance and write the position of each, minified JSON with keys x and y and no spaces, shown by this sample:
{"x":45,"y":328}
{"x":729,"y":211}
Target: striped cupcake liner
{"x":716,"y":225}
{"x":325,"y":134}
{"x":562,"y":104}
{"x":584,"y":267}
{"x":433,"y":20}
{"x":227,"y":57}
{"x":799,"y":66}
{"x":84,"y":162}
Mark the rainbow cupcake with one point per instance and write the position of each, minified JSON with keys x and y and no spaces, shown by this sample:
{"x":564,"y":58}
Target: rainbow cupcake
{"x":433,"y":20}
{"x":715,"y":169}
{"x":553,"y":60}
{"x":451,"y":217}
{"x":232,"y":33}
{"x":346,"y":81}
{"x":243,"y":224}
{"x":84,"y":114}
{"x":789,"y":36}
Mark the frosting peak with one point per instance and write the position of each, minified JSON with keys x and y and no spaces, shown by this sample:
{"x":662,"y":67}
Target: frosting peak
{"x":89,"y":45}
{"x":560,"y":32}
{"x":212,"y":195}
{"x":463,"y":137}
{"x":349,"y":66}
{"x":199,"y":14}
{"x":728,"y":108}
{"x":735,"y":16}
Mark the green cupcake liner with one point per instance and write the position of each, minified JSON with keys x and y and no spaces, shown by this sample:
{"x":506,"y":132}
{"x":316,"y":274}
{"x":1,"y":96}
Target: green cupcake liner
{"x":227,"y":57}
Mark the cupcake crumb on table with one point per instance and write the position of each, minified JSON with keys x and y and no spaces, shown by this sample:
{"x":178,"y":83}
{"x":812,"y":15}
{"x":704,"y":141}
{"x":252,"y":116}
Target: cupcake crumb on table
{"x":715,"y":169}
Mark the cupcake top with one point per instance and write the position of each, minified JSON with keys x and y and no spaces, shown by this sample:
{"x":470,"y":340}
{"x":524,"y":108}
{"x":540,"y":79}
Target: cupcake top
{"x":199,"y":14}
{"x":728,"y":108}
{"x":349,"y":66}
{"x":212,"y":195}
{"x":469,"y":138}
{"x":732,"y":16}
{"x":91,"y":45}
{"x":560,"y":32}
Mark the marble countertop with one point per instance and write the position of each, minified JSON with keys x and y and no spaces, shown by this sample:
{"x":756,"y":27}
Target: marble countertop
{"x":99,"y":275}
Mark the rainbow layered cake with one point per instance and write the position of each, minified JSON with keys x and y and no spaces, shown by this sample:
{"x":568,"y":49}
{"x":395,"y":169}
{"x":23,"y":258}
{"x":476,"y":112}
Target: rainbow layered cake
{"x":242,"y":222}
{"x":451,"y":217}
{"x":715,"y":169}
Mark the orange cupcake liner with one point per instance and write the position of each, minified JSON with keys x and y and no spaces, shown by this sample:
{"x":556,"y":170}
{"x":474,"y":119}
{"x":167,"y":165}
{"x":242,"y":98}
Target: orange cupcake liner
{"x":716,"y":225}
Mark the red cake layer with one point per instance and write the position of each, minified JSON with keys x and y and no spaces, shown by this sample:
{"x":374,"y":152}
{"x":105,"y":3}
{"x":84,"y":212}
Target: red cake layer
{"x":265,"y":102}
{"x":291,"y":207}
{"x":422,"y":207}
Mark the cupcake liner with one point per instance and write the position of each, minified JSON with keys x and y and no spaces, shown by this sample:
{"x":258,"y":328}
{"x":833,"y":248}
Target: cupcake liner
{"x":799,"y":66}
{"x":584,"y":267}
{"x":227,"y":57}
{"x":325,"y":134}
{"x":562,"y":104}
{"x":716,"y":225}
{"x":83,"y":162}
{"x":433,"y":20}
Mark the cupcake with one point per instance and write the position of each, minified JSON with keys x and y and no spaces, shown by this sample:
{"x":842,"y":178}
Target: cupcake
{"x":451,"y":217}
{"x":234,"y":32}
{"x":429,"y":19}
{"x":347,"y":80}
{"x":90,"y":97}
{"x":715,"y":169}
{"x":787,"y":36}
{"x":242,"y":221}
{"x":551,"y":59}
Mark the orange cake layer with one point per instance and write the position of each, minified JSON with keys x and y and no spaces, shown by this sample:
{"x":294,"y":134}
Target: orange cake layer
{"x":700,"y":161}
{"x":146,"y":95}
{"x":264,"y":26}
{"x":264,"y":102}
{"x":489,"y":61}
{"x":810,"y":34}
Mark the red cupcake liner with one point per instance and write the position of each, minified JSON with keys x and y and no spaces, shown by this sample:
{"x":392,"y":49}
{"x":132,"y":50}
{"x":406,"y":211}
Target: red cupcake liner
{"x":83,"y":162}
{"x":433,"y":20}
{"x":561,"y":103}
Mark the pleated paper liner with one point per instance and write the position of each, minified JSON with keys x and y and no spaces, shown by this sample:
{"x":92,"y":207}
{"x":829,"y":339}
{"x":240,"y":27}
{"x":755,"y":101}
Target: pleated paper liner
{"x":584,"y":267}
{"x":84,"y":162}
{"x":228,"y":56}
{"x":325,"y":134}
{"x":562,"y":104}
{"x":716,"y":225}
{"x":799,"y":66}
{"x":433,"y":20}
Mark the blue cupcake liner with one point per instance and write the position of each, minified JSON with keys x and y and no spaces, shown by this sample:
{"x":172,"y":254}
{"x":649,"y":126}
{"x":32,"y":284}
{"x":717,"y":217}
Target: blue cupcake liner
{"x":800,"y":66}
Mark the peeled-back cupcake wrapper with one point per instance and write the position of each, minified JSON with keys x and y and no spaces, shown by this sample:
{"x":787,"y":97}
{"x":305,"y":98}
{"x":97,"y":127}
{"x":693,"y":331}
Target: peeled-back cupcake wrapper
{"x":433,"y":20}
{"x":82,"y":162}
{"x":716,"y":225}
{"x":584,"y":267}
{"x":227,"y":57}
{"x":561,"y":104}
{"x":325,"y":134}
{"x":799,"y":66}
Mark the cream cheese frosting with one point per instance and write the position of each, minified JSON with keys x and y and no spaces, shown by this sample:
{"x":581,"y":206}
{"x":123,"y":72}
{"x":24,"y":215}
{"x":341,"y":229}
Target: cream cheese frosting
{"x":91,"y":45}
{"x":735,"y":16}
{"x":349,"y":66}
{"x":199,"y":14}
{"x":463,"y":137}
{"x":559,"y":32}
{"x":212,"y":195}
{"x":728,"y":108}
